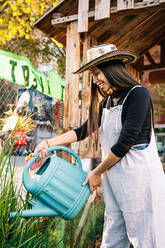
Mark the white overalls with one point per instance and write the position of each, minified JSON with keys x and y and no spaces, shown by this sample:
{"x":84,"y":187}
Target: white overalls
{"x":134,"y":191}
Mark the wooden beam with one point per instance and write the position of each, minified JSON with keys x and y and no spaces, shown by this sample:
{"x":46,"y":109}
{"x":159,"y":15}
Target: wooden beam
{"x":150,"y":67}
{"x":71,"y":106}
{"x":85,"y":81}
{"x":157,"y":77}
{"x":162,"y":52}
{"x":141,"y":67}
{"x":102,"y":9}
{"x":137,"y":8}
{"x":83,"y":8}
{"x":150,"y":59}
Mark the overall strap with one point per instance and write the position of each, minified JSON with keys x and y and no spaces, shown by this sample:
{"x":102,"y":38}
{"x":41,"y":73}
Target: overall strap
{"x":129,"y":93}
{"x":108,"y":103}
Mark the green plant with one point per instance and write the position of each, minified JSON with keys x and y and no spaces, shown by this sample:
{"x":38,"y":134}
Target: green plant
{"x":92,"y":229}
{"x":43,"y":232}
{"x":18,"y":232}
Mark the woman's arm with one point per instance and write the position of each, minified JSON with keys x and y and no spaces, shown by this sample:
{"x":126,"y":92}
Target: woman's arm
{"x":94,"y":177}
{"x":63,"y":139}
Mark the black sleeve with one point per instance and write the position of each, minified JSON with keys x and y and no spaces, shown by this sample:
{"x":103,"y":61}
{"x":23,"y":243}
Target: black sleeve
{"x":81,"y":131}
{"x":138,"y":105}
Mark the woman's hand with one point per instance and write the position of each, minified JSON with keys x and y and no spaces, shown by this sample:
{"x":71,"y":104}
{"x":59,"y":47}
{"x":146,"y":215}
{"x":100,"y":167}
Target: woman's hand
{"x":41,"y":148}
{"x":63,"y":139}
{"x":94,"y":180}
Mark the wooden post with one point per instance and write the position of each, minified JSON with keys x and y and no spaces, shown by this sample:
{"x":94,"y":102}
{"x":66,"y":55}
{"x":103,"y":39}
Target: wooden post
{"x":71,"y":108}
{"x":83,"y":8}
{"x":162,"y":52}
{"x":71,"y":103}
{"x":102,"y":9}
{"x":85,"y":81}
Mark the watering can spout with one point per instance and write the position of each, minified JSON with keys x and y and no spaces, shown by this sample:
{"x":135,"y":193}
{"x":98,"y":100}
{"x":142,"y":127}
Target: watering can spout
{"x":34,"y":213}
{"x":38,"y":210}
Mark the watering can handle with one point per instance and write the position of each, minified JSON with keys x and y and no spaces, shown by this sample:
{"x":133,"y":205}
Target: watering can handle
{"x":68,"y":150}
{"x":55,"y":148}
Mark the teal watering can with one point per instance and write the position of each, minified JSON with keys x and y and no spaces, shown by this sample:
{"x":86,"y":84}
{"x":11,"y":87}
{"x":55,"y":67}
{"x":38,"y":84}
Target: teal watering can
{"x":57,"y":187}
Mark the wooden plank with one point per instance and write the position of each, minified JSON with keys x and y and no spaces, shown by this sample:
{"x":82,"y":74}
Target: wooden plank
{"x":102,"y":9}
{"x":71,"y":103}
{"x":130,"y":4}
{"x":157,"y":77}
{"x":84,"y":145}
{"x":121,"y":4}
{"x":71,"y":107}
{"x":66,"y":102}
{"x":83,"y":8}
{"x":113,"y":10}
{"x":151,"y":67}
{"x":85,"y":81}
{"x":75,"y":78}
{"x":64,"y":19}
{"x":125,"y":4}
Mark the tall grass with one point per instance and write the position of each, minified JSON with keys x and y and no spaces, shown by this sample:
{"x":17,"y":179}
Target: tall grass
{"x":18,"y":232}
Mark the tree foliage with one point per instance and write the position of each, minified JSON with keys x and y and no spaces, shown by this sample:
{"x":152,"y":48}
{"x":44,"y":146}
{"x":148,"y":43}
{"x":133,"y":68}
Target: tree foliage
{"x":18,"y":35}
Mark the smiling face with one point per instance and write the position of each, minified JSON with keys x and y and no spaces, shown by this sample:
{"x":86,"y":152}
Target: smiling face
{"x":100,"y":79}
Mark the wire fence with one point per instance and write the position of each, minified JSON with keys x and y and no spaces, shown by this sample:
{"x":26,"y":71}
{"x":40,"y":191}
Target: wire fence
{"x":7,"y":96}
{"x":48,"y":118}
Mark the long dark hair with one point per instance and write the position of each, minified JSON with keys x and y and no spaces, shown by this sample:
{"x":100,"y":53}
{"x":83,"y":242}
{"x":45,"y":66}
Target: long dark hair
{"x":119,"y":77}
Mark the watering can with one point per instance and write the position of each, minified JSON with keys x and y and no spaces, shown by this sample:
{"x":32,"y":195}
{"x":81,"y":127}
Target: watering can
{"x":57,"y":187}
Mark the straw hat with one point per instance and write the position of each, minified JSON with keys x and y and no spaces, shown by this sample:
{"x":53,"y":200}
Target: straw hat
{"x":102,"y":53}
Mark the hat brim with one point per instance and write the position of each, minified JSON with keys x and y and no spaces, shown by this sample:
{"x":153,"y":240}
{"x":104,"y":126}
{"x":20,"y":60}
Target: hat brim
{"x":127,"y":56}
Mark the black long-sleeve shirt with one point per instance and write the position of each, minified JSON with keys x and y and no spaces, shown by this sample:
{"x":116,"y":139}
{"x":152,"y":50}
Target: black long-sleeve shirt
{"x":136,"y":121}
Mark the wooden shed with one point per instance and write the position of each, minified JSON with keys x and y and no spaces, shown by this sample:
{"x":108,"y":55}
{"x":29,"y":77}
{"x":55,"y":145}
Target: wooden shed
{"x":80,"y":24}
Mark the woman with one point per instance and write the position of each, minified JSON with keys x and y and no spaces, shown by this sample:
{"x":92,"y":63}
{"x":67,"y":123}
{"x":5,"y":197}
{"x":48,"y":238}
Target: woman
{"x":132,"y":175}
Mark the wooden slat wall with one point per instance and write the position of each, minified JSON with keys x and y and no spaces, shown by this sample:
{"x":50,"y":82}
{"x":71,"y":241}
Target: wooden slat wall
{"x":102,"y":9}
{"x":83,"y":8}
{"x":71,"y":110}
{"x":87,"y":148}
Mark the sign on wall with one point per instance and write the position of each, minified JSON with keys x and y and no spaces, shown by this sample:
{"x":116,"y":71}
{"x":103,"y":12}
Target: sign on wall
{"x":19,"y":70}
